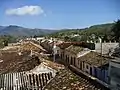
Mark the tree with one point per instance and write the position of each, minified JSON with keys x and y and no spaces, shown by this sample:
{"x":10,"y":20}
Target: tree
{"x":66,"y":38}
{"x":116,"y":30}
{"x":77,"y":38}
{"x":84,"y":38}
{"x":35,"y":36}
{"x":5,"y":43}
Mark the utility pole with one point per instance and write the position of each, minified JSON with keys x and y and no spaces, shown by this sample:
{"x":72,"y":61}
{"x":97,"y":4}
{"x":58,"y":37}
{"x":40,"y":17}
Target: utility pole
{"x":54,"y":57}
{"x":101,"y":47}
{"x":100,"y":39}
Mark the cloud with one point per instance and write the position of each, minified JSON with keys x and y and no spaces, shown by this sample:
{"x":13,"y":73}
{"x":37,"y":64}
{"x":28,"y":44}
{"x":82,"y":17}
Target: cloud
{"x":25,"y":10}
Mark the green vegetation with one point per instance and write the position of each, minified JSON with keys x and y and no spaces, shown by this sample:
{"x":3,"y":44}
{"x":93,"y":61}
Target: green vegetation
{"x":18,"y":31}
{"x":4,"y":40}
{"x":108,"y":32}
{"x":116,"y":30}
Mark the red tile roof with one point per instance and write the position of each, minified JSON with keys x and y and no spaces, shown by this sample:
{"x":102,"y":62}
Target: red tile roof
{"x":13,"y":62}
{"x":67,"y":44}
{"x":94,"y":58}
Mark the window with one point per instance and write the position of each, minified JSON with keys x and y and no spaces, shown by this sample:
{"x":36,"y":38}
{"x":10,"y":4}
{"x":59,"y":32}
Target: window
{"x":78,"y":62}
{"x":74,"y":61}
{"x":80,"y":65}
{"x":90,"y":70}
{"x":87,"y":66}
{"x":61,"y":56}
{"x":66,"y":57}
{"x":83,"y":65}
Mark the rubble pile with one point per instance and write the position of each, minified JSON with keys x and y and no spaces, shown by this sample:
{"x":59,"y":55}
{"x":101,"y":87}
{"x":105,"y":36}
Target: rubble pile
{"x":66,"y":80}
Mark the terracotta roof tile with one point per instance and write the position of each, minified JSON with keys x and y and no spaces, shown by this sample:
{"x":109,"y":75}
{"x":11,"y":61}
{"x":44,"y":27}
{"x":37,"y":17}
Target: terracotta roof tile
{"x":13,"y":62}
{"x":74,"y":49}
{"x":67,"y":44}
{"x":94,"y":58}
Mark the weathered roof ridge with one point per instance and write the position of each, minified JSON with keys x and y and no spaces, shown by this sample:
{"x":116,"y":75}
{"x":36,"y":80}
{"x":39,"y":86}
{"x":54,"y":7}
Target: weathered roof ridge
{"x":38,"y":46}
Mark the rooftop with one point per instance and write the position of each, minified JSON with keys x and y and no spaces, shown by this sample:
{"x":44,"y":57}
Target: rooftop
{"x":67,"y":80}
{"x":64,"y":45}
{"x":75,"y":49}
{"x":31,"y":46}
{"x":116,"y":60}
{"x":16,"y":62}
{"x":116,"y":52}
{"x":94,"y":58}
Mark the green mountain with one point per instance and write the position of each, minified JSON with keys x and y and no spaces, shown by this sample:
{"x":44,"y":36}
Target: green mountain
{"x":21,"y":31}
{"x":102,"y":30}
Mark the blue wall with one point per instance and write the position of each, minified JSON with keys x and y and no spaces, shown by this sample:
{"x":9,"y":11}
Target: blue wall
{"x":101,"y":74}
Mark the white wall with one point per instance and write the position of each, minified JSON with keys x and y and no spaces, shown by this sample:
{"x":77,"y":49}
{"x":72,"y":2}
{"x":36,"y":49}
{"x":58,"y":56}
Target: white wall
{"x":87,"y":69}
{"x":105,"y":47}
{"x":77,"y":63}
{"x":115,"y":76}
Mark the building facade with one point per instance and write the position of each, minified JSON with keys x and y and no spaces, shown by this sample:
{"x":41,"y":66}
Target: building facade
{"x":95,"y":65}
{"x":115,"y":74}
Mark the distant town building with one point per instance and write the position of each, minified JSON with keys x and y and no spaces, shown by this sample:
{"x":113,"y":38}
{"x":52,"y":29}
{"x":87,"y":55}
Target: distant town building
{"x":115,"y":74}
{"x":106,"y":47}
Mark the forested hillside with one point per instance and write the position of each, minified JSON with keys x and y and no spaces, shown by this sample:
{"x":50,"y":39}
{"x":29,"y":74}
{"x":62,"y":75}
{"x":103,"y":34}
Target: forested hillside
{"x":18,"y":31}
{"x":93,"y":32}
